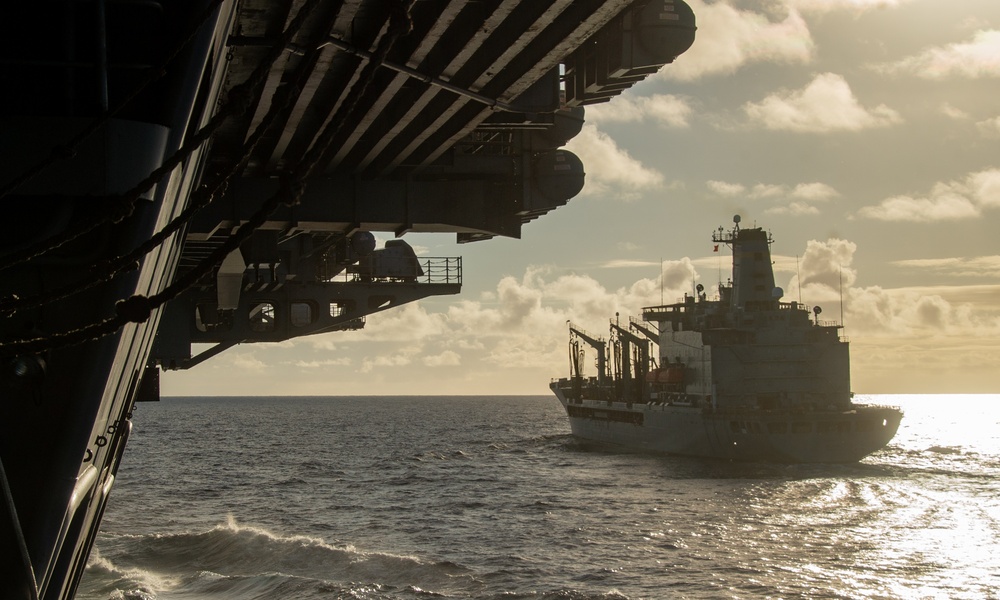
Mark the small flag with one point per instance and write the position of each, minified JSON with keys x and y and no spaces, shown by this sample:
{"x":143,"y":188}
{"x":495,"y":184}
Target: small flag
{"x":716,"y":248}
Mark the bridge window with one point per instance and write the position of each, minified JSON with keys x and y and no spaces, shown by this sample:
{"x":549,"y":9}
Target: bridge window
{"x":262,"y":317}
{"x":302,"y":314}
{"x":337,"y":309}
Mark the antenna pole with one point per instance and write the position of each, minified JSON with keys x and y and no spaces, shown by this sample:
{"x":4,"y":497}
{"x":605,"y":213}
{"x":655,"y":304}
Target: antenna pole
{"x":798,"y":278}
{"x":841,"y":272}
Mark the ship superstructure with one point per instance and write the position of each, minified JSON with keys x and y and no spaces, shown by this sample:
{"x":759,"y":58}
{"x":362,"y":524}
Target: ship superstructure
{"x":212,"y":172}
{"x":745,"y":376}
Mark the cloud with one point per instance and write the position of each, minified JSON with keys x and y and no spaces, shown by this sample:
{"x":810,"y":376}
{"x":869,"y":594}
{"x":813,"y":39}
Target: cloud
{"x":977,"y":266}
{"x":611,"y":171}
{"x":384,"y":361}
{"x":620,"y":263}
{"x":990,"y":127}
{"x":951,"y":201}
{"x":814,"y":191}
{"x":857,"y":6}
{"x":448,"y":358}
{"x":729,"y":38}
{"x":525,"y":326}
{"x":828,"y":264}
{"x":244,"y":361}
{"x":796,"y":201}
{"x":904,"y":313}
{"x":954,"y":113}
{"x":517,"y":300}
{"x":941,"y":206}
{"x":976,"y":59}
{"x":795,"y":209}
{"x":827,"y":276}
{"x":329,"y":362}
{"x":766,"y":190}
{"x":825,"y":105}
{"x":410,"y":322}
{"x":725,"y":189}
{"x":538,"y":305}
{"x":666,"y":110}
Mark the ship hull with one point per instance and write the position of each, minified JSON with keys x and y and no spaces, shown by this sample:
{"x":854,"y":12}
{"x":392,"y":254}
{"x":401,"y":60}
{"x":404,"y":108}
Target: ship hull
{"x":745,"y":435}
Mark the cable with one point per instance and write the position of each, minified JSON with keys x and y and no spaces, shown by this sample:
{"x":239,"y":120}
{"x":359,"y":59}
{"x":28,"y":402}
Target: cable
{"x":68,"y":150}
{"x":240,"y":99}
{"x":138,"y":308}
{"x":15,"y":524}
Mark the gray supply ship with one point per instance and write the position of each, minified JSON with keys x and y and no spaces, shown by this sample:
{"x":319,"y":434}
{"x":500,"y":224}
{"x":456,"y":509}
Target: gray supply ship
{"x":745,"y":376}
{"x":210,"y":172}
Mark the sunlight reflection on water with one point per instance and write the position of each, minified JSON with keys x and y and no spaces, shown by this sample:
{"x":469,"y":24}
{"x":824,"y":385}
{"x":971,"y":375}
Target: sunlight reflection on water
{"x":487,"y":498}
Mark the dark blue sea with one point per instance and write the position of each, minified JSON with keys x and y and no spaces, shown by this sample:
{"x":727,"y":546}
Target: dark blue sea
{"x":491,"y":498}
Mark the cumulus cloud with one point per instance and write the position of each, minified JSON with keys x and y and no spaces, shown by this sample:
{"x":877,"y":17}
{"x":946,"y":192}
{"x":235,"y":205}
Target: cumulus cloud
{"x":401,"y":357}
{"x":907,"y":313}
{"x":977,"y":266}
{"x":329,"y":362}
{"x":766,"y":190}
{"x":726,"y":189}
{"x":405,"y":323}
{"x":729,"y":38}
{"x":825,"y":105}
{"x":827,"y":277}
{"x":814,"y":191}
{"x":795,"y":200}
{"x":619,"y":263}
{"x":244,"y":361}
{"x":990,"y":127}
{"x":954,"y":113}
{"x":942,"y":205}
{"x":611,"y":171}
{"x":857,"y":6}
{"x":448,"y":358}
{"x":666,"y":110}
{"x":517,"y":300}
{"x":523,"y":324}
{"x":795,"y":209}
{"x":828,"y":264}
{"x":950,"y":201}
{"x":975,"y":59}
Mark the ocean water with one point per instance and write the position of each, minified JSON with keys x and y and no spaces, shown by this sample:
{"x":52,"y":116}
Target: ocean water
{"x":491,"y":498}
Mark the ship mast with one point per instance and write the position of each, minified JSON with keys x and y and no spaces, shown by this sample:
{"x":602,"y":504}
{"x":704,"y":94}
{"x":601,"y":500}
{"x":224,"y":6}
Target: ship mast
{"x":753,"y":275}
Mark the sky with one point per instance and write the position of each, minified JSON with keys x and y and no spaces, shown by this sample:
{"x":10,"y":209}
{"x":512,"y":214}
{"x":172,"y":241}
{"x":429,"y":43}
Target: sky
{"x":863,"y":134}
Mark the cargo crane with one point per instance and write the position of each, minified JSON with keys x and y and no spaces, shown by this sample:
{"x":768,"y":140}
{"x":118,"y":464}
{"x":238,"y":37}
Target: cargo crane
{"x":653,"y":336}
{"x":632,"y":388}
{"x":599,"y":345}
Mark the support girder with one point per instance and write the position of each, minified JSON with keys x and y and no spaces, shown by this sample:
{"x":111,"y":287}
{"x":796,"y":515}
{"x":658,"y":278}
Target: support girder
{"x":345,"y":204}
{"x":286,"y":311}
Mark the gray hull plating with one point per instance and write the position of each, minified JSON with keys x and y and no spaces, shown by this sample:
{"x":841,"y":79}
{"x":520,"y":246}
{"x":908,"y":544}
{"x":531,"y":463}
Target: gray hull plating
{"x":778,"y":436}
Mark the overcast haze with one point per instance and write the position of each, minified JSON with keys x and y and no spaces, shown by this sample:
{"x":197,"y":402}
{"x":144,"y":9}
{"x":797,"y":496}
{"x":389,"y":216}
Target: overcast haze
{"x":865,"y":135}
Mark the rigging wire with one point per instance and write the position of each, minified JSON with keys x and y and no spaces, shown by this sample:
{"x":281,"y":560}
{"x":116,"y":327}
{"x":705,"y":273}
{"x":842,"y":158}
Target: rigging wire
{"x":68,"y":150}
{"x":201,"y":198}
{"x":138,"y":308}
{"x":241,"y":98}
{"x":15,"y":523}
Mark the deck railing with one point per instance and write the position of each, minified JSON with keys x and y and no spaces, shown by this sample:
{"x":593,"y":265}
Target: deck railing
{"x":395,"y":269}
